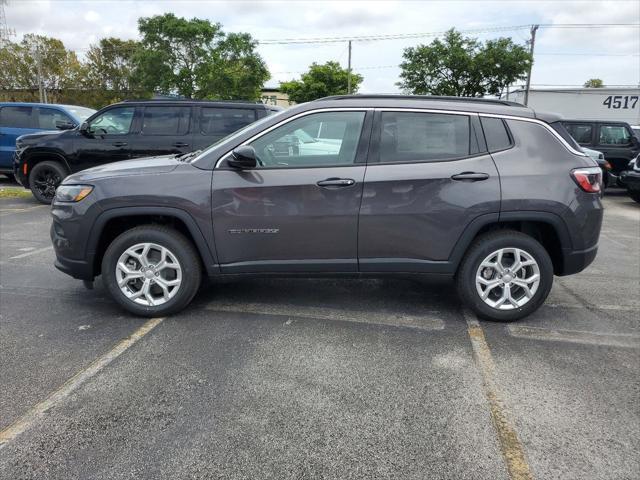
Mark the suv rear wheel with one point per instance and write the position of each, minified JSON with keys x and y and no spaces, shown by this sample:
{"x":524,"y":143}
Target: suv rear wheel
{"x":44,"y":179}
{"x":505,"y":276}
{"x":151,"y":270}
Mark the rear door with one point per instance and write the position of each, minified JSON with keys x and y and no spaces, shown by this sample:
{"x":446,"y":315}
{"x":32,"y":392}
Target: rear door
{"x":298,"y":210}
{"x":215,"y":123}
{"x":164,"y":130}
{"x":428,"y":177}
{"x":14,"y":121}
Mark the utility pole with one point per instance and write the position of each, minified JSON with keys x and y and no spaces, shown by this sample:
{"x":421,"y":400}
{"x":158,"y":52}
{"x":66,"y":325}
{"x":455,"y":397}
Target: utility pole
{"x":532,"y":44}
{"x":5,"y":31}
{"x":36,"y":54}
{"x":349,"y":71}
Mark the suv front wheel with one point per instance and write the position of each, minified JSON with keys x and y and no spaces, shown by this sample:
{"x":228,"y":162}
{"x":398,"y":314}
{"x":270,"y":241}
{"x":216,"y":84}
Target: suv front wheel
{"x":151,"y":270}
{"x":505,"y":275}
{"x":44,"y":179}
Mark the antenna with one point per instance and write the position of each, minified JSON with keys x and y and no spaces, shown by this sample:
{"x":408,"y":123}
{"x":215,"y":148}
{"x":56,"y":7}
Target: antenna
{"x":5,"y":31}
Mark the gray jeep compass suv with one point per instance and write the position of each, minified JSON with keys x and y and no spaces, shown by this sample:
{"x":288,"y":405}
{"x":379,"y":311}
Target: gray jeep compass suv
{"x":489,"y":192}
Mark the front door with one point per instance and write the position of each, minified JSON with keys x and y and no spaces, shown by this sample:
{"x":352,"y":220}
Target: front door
{"x":107,"y":139}
{"x":426,"y":181}
{"x":298,"y":210}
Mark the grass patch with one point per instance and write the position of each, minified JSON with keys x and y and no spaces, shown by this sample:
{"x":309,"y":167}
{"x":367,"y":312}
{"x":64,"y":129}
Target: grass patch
{"x":14,"y":193}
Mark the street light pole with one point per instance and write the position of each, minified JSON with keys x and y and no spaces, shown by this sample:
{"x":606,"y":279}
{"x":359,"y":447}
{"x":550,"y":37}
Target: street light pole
{"x":349,"y":71}
{"x":532,"y":44}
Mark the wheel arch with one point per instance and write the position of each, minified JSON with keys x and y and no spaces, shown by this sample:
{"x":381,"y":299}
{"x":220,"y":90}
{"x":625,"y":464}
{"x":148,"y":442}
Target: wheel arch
{"x":547,"y":228}
{"x":113,"y":222}
{"x":38,"y":156}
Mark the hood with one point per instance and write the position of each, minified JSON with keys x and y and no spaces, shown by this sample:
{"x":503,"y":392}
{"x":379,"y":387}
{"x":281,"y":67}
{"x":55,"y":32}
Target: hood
{"x":31,"y":138}
{"x":140,"y":166}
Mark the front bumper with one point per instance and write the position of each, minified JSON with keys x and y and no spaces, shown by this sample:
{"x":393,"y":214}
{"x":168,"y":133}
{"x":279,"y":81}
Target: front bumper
{"x":631,"y":180}
{"x":80,"y":269}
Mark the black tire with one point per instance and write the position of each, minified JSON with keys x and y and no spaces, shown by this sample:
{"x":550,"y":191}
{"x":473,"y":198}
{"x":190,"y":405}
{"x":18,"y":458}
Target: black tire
{"x":45,"y":178}
{"x":485,"y":245}
{"x":635,"y":195}
{"x":177,"y":244}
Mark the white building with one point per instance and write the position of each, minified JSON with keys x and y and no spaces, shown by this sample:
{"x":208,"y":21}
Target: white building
{"x":610,"y":104}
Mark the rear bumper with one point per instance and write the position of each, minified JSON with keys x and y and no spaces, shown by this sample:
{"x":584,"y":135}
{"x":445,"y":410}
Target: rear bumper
{"x":577,"y":260}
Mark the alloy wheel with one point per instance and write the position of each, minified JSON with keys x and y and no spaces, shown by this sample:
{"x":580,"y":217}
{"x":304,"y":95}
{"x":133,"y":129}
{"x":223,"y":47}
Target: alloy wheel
{"x":148,"y":274}
{"x":508,"y":278}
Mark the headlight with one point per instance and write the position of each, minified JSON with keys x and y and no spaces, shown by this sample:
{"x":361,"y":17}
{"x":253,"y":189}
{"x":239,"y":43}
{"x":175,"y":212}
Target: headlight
{"x":72,"y":193}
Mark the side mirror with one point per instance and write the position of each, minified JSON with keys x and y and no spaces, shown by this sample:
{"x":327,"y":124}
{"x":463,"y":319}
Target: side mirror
{"x":64,"y":125}
{"x":84,"y":128}
{"x":243,"y":157}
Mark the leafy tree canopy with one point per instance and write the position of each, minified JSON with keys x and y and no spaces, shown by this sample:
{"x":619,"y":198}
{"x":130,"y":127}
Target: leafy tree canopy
{"x":321,"y":81}
{"x":594,"y":83}
{"x":196,"y":59}
{"x":463,"y":66}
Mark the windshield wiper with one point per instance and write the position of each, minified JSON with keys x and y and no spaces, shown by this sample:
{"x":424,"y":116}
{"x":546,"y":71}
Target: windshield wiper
{"x":183,"y":157}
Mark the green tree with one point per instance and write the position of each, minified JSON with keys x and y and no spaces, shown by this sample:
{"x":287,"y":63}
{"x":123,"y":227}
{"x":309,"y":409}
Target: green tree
{"x":321,"y":81}
{"x":463,"y":66}
{"x":109,"y":72}
{"x":196,"y":59}
{"x":594,"y":83}
{"x":22,"y":62}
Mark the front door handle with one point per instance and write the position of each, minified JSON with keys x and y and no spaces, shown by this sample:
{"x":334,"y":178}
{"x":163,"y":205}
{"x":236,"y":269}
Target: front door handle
{"x":470,"y":176}
{"x":180,"y":144}
{"x":119,"y":144}
{"x":336,"y":182}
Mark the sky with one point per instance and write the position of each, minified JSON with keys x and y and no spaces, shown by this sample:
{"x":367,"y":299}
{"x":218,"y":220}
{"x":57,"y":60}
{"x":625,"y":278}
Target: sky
{"x":563,"y":56}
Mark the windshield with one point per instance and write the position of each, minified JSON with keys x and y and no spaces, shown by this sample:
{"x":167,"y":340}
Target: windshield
{"x":81,"y":112}
{"x":237,"y":133}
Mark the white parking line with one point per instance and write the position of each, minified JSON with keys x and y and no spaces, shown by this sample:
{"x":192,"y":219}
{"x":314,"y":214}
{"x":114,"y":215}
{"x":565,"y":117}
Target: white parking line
{"x":575,"y":336}
{"x":322,"y":313}
{"x":32,"y":252}
{"x":75,"y":382}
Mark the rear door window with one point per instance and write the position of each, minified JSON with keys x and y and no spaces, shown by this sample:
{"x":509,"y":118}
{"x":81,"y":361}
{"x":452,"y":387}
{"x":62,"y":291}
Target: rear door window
{"x":15,"y":117}
{"x":581,"y":132}
{"x":47,"y":118}
{"x":614,"y":135}
{"x":166,"y":120}
{"x":223,"y":121}
{"x":416,"y":137}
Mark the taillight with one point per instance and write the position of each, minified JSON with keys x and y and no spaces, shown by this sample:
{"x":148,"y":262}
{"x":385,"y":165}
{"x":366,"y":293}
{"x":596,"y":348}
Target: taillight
{"x":588,"y":179}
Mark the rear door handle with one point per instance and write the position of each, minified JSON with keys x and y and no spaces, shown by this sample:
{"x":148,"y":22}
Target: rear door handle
{"x":336,"y":182}
{"x":470,"y":176}
{"x":119,"y":144}
{"x":180,"y":144}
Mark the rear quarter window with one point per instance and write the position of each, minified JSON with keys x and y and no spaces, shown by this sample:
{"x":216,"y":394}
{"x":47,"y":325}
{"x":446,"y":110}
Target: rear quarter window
{"x":496,"y":134}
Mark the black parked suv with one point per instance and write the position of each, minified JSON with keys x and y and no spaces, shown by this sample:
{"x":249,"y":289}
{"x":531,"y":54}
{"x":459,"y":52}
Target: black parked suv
{"x":489,"y":192}
{"x":128,"y":130}
{"x":616,"y":140}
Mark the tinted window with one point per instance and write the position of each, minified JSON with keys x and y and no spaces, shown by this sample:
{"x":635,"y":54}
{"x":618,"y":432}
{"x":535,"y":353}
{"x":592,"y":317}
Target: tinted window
{"x":166,"y":120}
{"x":223,"y":121}
{"x":496,"y":134}
{"x":581,"y":132}
{"x":298,"y":143}
{"x":614,"y":135}
{"x":423,"y":136}
{"x":15,"y":117}
{"x":115,"y":121}
{"x":47,"y":118}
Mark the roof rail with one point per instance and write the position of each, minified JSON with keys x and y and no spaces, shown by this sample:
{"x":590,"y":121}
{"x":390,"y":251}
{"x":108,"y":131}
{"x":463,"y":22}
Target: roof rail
{"x":188,"y":100}
{"x":424,"y":97}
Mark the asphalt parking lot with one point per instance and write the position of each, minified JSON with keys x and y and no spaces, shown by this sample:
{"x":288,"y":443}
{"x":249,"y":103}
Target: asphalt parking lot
{"x":317,"y":378}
